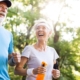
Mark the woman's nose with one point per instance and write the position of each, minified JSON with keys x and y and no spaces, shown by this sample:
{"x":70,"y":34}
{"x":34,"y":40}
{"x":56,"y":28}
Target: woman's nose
{"x":40,"y":29}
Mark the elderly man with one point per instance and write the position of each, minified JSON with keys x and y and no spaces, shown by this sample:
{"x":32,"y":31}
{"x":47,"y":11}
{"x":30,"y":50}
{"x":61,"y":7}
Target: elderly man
{"x":6,"y":44}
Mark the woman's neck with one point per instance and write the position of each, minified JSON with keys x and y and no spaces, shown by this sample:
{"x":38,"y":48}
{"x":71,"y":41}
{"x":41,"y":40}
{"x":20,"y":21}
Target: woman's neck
{"x":40,"y":46}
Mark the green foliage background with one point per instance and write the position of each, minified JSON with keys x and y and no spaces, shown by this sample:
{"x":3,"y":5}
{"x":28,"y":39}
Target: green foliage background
{"x":69,"y":51}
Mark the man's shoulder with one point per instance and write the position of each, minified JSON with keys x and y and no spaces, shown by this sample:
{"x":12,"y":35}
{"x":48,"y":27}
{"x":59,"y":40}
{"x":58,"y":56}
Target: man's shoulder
{"x":8,"y":31}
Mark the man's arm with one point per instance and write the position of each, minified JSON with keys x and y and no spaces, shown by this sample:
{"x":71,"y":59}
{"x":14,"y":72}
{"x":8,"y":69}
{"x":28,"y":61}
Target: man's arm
{"x":56,"y":66}
{"x":13,"y":59}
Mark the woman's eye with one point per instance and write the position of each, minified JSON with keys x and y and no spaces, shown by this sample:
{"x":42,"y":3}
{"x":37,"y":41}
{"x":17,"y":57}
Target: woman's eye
{"x":37,"y":28}
{"x":44,"y":28}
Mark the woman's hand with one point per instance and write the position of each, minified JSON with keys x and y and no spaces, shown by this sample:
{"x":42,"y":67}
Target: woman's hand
{"x":55,"y":73}
{"x":39,"y":70}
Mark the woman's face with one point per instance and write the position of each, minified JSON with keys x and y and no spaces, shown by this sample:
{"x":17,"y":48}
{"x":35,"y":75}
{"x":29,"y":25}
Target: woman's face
{"x":42,"y":33}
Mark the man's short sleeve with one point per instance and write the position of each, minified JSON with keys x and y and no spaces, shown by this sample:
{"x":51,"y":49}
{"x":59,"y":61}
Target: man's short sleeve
{"x":10,"y":49}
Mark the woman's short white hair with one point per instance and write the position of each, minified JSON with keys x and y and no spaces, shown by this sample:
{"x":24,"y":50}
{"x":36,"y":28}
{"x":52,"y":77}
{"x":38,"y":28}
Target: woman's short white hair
{"x":43,"y":22}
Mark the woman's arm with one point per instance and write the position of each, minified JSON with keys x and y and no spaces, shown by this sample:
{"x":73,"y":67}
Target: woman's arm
{"x":19,"y":70}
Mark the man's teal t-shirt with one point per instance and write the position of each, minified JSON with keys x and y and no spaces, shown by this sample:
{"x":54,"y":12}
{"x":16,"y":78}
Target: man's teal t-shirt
{"x":6,"y":48}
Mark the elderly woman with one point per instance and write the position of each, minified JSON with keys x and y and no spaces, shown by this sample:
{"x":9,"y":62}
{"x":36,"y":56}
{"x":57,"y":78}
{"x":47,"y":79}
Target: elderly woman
{"x":34,"y":55}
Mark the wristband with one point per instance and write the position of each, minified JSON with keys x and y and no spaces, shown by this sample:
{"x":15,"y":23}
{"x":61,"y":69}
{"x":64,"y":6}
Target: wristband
{"x":11,"y":62}
{"x":30,"y":71}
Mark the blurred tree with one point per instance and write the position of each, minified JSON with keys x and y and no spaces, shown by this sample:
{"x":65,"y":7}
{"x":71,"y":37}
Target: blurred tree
{"x":22,"y":15}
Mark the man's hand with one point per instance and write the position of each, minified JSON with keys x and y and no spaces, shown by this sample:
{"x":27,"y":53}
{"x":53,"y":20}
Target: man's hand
{"x":16,"y":57}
